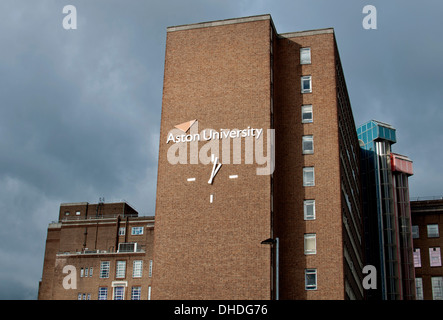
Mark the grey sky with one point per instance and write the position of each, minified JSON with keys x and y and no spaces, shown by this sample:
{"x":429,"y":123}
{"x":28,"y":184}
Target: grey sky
{"x":80,"y":109}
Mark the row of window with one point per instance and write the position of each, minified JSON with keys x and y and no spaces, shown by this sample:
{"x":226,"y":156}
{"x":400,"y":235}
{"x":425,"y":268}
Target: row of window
{"x":432,"y":231}
{"x":135,"y":231}
{"x":434,"y":257}
{"x":120,"y":269}
{"x":118,"y":293}
{"x":437,"y":288}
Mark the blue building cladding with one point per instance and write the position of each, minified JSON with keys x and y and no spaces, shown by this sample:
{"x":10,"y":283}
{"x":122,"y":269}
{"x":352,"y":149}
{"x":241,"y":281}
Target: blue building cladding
{"x":374,"y":130}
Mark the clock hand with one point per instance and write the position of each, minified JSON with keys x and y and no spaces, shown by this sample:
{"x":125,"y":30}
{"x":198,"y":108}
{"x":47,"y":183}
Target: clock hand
{"x":215,"y":169}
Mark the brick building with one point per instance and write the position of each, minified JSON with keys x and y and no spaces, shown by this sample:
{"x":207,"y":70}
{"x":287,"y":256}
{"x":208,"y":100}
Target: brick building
{"x":98,"y":251}
{"x":427,"y":221}
{"x":241,"y":74}
{"x":257,"y":146}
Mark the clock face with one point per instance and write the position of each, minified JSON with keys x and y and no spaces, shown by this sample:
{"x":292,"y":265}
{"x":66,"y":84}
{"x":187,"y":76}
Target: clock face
{"x":216,"y":166}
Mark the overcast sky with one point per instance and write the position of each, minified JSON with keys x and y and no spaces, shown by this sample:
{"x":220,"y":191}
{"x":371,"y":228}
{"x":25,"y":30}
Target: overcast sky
{"x":80,"y":109}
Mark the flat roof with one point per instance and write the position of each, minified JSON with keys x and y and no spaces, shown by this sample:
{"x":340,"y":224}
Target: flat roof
{"x":218,"y":23}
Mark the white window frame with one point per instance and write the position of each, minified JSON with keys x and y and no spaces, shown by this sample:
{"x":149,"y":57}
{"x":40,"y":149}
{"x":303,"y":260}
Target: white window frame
{"x":105,"y":266}
{"x":120,"y":269}
{"x":307,"y":109}
{"x":305,"y":55}
{"x":433,"y":231}
{"x":103,"y":293}
{"x":121,"y":231}
{"x":306,"y":204}
{"x":434,"y":257}
{"x":419,"y":288}
{"x":310,"y":239}
{"x":304,"y":79}
{"x":415,"y":232}
{"x":306,"y":140}
{"x":416,"y":257}
{"x":136,"y":231}
{"x":437,"y":288}
{"x":306,"y":182}
{"x":136,"y":292}
{"x":308,"y":272}
{"x":137,"y":269}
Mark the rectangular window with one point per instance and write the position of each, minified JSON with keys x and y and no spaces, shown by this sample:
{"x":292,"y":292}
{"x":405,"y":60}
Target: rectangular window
{"x":82,"y":272}
{"x":433,"y":231}
{"x":306,"y":84}
{"x":79,"y":296}
{"x":90,"y":272}
{"x":137,"y":230}
{"x":308,"y":177}
{"x":135,"y":293}
{"x":86,"y":272}
{"x":305,"y":55}
{"x":102,"y":293}
{"x":417,"y":258}
{"x":77,"y":213}
{"x":119,"y":293}
{"x":415,"y":232}
{"x":310,"y":243}
{"x":419,"y":288}
{"x":307,"y":114}
{"x":120,"y":270}
{"x":104,"y":269}
{"x":149,"y":293}
{"x":434,"y":257}
{"x":437,"y":288}
{"x":308,"y":144}
{"x":309,"y":209}
{"x":150,"y":268}
{"x":137,"y":269}
{"x":121,"y":231}
{"x":311,"y":279}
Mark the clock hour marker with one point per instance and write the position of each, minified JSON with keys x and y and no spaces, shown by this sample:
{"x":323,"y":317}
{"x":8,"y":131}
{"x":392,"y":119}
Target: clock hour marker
{"x":191,"y":179}
{"x":234,"y":176}
{"x":211,"y":198}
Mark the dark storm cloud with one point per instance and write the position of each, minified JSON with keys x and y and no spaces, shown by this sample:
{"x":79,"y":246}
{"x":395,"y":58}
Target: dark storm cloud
{"x":80,"y":109}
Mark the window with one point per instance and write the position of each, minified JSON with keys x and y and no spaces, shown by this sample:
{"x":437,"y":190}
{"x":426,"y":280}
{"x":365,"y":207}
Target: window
{"x":137,"y":230}
{"x":434,"y":257}
{"x":308,"y":176}
{"x":310,"y":243}
{"x":81,"y":272}
{"x":305,"y":55}
{"x":417,"y":258}
{"x":120,"y":270}
{"x":311,"y":279}
{"x":90,"y":272}
{"x":433,"y":231}
{"x":102,"y":293}
{"x":137,"y":269}
{"x":104,"y":269}
{"x":149,"y":293}
{"x":66,"y":213}
{"x":135,"y":293}
{"x":308,"y":144}
{"x":119,"y":293}
{"x":150,"y":268}
{"x":309,"y":209}
{"x":437,"y":288}
{"x":415,"y":232}
{"x":306,"y":84}
{"x":419,"y":288}
{"x":121,"y":231}
{"x":79,"y":296}
{"x":77,"y":213}
{"x":306,"y":114}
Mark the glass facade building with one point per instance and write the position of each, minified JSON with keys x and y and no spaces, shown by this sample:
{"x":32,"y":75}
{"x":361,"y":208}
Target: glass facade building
{"x":387,"y":215}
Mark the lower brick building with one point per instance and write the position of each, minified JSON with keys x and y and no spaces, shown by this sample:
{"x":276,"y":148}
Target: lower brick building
{"x":98,"y":251}
{"x":427,"y":221}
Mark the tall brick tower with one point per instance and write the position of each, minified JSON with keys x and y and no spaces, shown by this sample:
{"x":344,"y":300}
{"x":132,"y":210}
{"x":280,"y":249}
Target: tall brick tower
{"x":257,"y":142}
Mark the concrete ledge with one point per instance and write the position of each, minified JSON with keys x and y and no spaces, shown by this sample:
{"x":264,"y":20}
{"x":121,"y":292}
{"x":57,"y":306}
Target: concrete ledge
{"x":218,"y":23}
